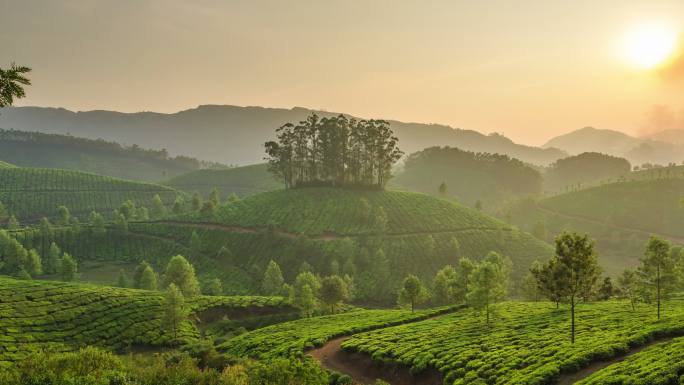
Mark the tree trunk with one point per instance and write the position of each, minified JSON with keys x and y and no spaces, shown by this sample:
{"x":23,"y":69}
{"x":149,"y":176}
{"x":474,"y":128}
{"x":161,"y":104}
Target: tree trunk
{"x":572,"y":323}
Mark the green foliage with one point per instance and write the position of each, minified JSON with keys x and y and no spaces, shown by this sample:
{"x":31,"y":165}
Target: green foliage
{"x":273,"y":279}
{"x":68,"y":268}
{"x":304,"y":291}
{"x":122,"y":280}
{"x":12,"y":82}
{"x":242,"y":181}
{"x":584,"y":169}
{"x":62,"y":316}
{"x":490,"y":177}
{"x":334,"y":151}
{"x":215,"y":287}
{"x":31,"y":193}
{"x":292,"y":338}
{"x":175,"y":311}
{"x":488,"y":286}
{"x":412,"y":292}
{"x":527,"y":344}
{"x":332,"y":291}
{"x":181,"y":273}
{"x":661,"y":364}
{"x":657,"y":271}
{"x":63,"y":216}
{"x":148,"y":279}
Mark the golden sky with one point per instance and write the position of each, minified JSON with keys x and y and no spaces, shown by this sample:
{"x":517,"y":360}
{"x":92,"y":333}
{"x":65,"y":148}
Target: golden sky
{"x":530,"y":69}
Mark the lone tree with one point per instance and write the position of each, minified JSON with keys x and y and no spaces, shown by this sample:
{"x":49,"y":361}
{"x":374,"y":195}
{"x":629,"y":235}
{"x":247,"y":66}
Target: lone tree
{"x":464,"y":269}
{"x":412,"y":292}
{"x":68,"y":268}
{"x":148,"y":279}
{"x":628,"y":283}
{"x":333,"y":290}
{"x":182,"y":274}
{"x":304,"y":291}
{"x":138,"y":272}
{"x":63,"y":216}
{"x":656,"y":270}
{"x":273,"y":279}
{"x":12,"y":81}
{"x":444,"y":286}
{"x":174,"y":309}
{"x":489,"y":283}
{"x":158,"y":208}
{"x":580,"y":271}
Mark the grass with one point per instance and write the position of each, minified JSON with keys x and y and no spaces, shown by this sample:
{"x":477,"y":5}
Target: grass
{"x":528,"y":343}
{"x":243,"y":181}
{"x":32,"y":193}
{"x":661,"y":364}
{"x":36,"y":315}
{"x":294,"y":337}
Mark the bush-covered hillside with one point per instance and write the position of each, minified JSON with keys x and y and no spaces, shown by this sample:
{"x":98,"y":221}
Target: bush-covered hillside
{"x":32,"y":193}
{"x":528,"y":343}
{"x":62,"y":316}
{"x":242,"y":181}
{"x":468,"y":176}
{"x":366,"y":233}
{"x":588,"y":168}
{"x":35,"y":149}
{"x":620,"y":216}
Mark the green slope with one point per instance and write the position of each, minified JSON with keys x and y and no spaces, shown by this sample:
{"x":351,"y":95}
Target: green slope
{"x":34,"y":149}
{"x":243,"y":181}
{"x":620,"y":216}
{"x":6,"y":165}
{"x":31,"y":193}
{"x":61,"y":316}
{"x":328,"y":227}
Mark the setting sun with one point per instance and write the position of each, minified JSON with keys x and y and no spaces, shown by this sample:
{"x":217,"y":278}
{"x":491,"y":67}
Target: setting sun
{"x":648,"y":46}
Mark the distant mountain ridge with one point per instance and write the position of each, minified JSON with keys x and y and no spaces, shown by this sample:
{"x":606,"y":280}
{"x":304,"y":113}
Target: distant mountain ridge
{"x":235,"y":135}
{"x":660,"y":148}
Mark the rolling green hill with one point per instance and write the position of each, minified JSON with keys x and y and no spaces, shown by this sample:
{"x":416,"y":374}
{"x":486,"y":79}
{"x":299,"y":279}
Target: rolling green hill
{"x":62,"y":316}
{"x":620,"y":216}
{"x":364,"y":233}
{"x":243,"y":181}
{"x":35,"y":149}
{"x":6,"y":165}
{"x":31,"y":193}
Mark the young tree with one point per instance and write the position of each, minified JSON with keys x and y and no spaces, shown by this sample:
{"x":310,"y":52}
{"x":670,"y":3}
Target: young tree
{"x":656,"y":270}
{"x":549,"y":278}
{"x":181,"y":273}
{"x":443,"y":189}
{"x":628,"y":283}
{"x":52,"y":265}
{"x":33,"y":267}
{"x":12,"y":81}
{"x":138,"y":272}
{"x":273,"y":281}
{"x":63,"y":216}
{"x":489,"y":283}
{"x":68,"y":268}
{"x":196,"y":202}
{"x":464,"y":269}
{"x":45,"y":228}
{"x":333,"y":290}
{"x":444,"y":286}
{"x":127,"y":210}
{"x":605,"y":291}
{"x":213,"y":287}
{"x":121,"y":222}
{"x":412,"y":292}
{"x":305,"y":287}
{"x":208,"y":209}
{"x":379,"y":220}
{"x":122,"y":280}
{"x":179,"y":205}
{"x":13,"y":223}
{"x":97,"y":222}
{"x":175,"y":311}
{"x":158,"y":208}
{"x":148,"y":279}
{"x":215,"y":196}
{"x":575,"y":253}
{"x":529,"y":288}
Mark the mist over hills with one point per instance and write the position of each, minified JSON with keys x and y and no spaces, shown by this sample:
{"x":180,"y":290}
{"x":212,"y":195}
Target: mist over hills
{"x":662,"y":148}
{"x":235,"y":135}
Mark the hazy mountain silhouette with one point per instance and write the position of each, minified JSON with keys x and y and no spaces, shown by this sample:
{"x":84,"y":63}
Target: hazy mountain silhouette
{"x":616,"y":143}
{"x":235,"y":135}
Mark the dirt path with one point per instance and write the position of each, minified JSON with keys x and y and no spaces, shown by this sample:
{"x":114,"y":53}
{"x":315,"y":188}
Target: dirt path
{"x":571,"y":378}
{"x":325,"y":236}
{"x":547,"y":210}
{"x":361,"y":368}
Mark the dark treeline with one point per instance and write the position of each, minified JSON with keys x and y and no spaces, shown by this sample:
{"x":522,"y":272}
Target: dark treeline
{"x":335,"y":151}
{"x":574,"y":172}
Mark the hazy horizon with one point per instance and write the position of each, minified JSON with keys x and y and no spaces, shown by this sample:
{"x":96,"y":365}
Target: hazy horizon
{"x":530,"y":71}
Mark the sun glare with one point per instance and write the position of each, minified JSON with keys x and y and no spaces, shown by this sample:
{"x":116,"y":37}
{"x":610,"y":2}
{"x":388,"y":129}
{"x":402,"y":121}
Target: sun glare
{"x":649,"y":46}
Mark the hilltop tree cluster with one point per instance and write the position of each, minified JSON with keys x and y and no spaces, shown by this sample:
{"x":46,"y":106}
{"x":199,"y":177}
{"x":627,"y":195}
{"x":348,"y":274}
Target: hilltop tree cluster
{"x":335,"y":151}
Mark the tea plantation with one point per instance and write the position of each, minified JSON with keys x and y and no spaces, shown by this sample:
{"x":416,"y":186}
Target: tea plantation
{"x":243,"y":181}
{"x":294,"y":337}
{"x":661,"y":364}
{"x":528,"y":343}
{"x":37,"y":315}
{"x":6,"y":165}
{"x":32,"y":193}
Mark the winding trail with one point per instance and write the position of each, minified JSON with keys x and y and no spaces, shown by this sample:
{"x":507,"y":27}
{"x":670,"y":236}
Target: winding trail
{"x":595,"y":366}
{"x":325,"y":236}
{"x":363,"y":370}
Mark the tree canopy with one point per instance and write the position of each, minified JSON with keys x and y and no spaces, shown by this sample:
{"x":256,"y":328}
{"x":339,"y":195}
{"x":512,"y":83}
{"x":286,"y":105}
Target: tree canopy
{"x":335,"y":151}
